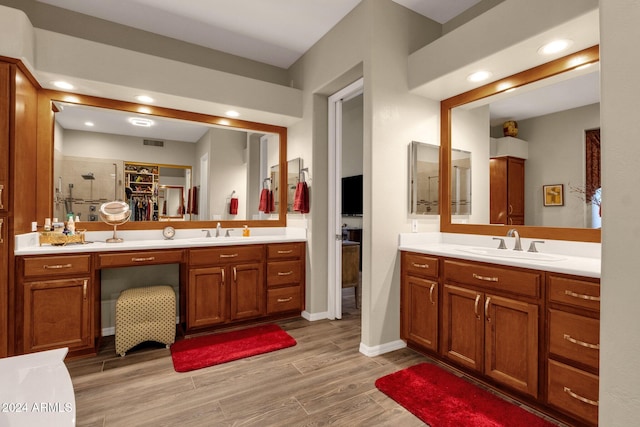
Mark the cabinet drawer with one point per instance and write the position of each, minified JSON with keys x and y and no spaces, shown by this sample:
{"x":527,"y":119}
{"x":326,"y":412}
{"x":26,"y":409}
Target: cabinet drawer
{"x":226,"y":254}
{"x":285,"y":250}
{"x":57,"y":265}
{"x":283,"y":299}
{"x":575,"y":292}
{"x":420,"y":265}
{"x":574,"y":337}
{"x":573,"y":391}
{"x":284,"y":272}
{"x":129,"y":259}
{"x":493,"y":277}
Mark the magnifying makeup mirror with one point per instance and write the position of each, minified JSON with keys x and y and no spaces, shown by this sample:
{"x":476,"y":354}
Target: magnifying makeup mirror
{"x":115,"y":213}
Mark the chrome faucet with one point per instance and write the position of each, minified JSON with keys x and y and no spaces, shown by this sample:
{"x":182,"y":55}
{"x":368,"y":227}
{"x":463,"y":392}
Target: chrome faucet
{"x":514,"y":233}
{"x":218,"y":228}
{"x":227,"y":234}
{"x":208,"y":232}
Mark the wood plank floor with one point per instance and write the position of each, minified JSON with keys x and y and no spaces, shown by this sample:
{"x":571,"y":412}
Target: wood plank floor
{"x":323,"y":380}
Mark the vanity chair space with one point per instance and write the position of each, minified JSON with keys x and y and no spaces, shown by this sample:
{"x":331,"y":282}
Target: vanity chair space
{"x":510,"y":313}
{"x":50,"y":296}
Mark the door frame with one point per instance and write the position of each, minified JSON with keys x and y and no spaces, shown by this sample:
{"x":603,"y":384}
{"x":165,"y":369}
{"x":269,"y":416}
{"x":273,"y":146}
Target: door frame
{"x":334,"y":228}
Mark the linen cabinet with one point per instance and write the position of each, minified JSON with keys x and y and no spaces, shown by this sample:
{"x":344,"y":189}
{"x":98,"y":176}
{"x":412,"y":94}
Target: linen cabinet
{"x":506,"y":180}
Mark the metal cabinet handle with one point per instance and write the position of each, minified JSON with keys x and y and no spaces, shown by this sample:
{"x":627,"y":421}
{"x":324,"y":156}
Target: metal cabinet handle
{"x":581,"y":296}
{"x":57,"y":266}
{"x":433,"y":286}
{"x":581,"y":343}
{"x":285,"y":299}
{"x":235,"y":274}
{"x":510,"y":208}
{"x":1,"y":196}
{"x":420,"y":265}
{"x":84,"y":289}
{"x":580,"y":398}
{"x":485,"y":278}
{"x":1,"y":224}
{"x":285,"y":273}
{"x":475,"y":306}
{"x":151,"y":258}
{"x":228,"y":255}
{"x":486,"y":309}
{"x":285,"y":252}
{"x":223,"y":280}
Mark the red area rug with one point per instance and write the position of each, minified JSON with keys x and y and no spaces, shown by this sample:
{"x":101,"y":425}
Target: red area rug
{"x":442,"y":399}
{"x":209,"y":350}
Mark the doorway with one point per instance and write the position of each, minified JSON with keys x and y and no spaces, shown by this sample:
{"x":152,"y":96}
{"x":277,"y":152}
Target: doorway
{"x":345,"y":160}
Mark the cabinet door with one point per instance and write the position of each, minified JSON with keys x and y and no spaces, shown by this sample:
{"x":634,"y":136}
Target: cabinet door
{"x":5,"y":112}
{"x":4,"y":287}
{"x":247,"y":291}
{"x":206,"y":297}
{"x":462,"y":326}
{"x":515,"y":188}
{"x":420,"y":312}
{"x":57,"y":313}
{"x":511,"y":343}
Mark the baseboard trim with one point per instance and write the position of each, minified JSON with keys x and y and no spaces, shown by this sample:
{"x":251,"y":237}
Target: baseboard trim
{"x":312,"y":317}
{"x":381,"y":349}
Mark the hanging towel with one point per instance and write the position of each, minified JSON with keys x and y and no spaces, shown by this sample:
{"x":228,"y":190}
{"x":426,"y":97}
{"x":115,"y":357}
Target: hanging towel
{"x":264,"y":201}
{"x":301,"y":199}
{"x":233,"y":206}
{"x":193,"y":203}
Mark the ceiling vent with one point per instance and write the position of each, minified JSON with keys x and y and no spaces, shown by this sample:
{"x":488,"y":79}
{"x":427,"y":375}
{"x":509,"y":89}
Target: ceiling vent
{"x":153,"y":143}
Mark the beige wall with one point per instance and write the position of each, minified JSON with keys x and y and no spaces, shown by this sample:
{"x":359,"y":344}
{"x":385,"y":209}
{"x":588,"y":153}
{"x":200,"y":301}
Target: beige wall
{"x":619,"y":336}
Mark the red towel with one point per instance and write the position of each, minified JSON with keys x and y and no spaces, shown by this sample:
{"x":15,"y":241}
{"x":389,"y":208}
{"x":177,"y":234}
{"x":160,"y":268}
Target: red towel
{"x":233,"y":206}
{"x":301,"y":199}
{"x":264,"y":201}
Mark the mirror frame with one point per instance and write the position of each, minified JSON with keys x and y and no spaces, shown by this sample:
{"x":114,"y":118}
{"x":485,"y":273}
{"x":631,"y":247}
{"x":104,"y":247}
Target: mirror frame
{"x":45,"y":149}
{"x":549,"y":69}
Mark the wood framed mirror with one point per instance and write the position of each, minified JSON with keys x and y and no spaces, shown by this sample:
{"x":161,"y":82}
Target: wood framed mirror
{"x":540,"y":75}
{"x":275,"y":137}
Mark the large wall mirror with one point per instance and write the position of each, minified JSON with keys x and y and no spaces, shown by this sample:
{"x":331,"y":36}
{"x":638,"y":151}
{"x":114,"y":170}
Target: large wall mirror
{"x":555,"y":106}
{"x":188,"y":168}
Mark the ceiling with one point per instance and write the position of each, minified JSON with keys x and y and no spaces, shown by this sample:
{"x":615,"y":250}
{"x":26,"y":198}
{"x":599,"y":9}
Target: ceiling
{"x":276,"y":32}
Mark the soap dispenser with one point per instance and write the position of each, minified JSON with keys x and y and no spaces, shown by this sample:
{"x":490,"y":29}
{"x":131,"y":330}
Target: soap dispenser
{"x":245,"y":231}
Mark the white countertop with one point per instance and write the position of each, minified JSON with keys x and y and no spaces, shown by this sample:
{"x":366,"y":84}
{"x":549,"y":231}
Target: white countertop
{"x":576,"y":258}
{"x":27,"y":244}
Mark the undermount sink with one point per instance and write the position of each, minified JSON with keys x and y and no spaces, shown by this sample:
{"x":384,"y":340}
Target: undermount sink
{"x":508,"y":253}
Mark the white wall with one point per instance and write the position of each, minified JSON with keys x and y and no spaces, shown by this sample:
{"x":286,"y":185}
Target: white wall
{"x":620,"y":293}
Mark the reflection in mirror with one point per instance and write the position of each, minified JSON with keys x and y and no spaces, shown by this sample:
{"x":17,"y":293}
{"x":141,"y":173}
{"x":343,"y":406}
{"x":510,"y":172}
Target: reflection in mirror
{"x":460,"y":182}
{"x":424,"y":181}
{"x":171,"y":202}
{"x":220,"y":169}
{"x":294,"y":171}
{"x":554,"y":105}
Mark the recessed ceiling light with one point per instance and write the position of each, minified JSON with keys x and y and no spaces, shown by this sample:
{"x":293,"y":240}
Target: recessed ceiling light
{"x":139,"y":121}
{"x":144,"y":98}
{"x":232,"y":113}
{"x":63,"y":85}
{"x":554,"y":47}
{"x":479,"y":76}
{"x":90,"y":124}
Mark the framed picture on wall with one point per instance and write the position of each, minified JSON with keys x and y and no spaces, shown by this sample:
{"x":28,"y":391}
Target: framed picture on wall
{"x":553,"y":195}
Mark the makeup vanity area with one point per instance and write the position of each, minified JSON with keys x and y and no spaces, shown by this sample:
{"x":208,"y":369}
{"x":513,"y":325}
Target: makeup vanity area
{"x":523,"y":322}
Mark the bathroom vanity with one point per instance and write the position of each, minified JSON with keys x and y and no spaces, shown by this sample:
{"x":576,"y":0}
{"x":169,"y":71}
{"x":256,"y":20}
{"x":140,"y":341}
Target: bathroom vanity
{"x":223,"y":282}
{"x":526,"y":324}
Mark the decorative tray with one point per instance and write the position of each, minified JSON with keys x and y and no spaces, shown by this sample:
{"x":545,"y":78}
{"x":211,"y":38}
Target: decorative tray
{"x":57,"y":238}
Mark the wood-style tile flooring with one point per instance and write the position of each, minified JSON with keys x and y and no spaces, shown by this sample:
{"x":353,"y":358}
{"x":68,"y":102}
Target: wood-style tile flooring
{"x":323,"y":380}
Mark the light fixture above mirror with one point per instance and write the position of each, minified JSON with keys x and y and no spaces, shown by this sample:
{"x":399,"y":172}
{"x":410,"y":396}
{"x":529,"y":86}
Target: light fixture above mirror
{"x":535,"y":75}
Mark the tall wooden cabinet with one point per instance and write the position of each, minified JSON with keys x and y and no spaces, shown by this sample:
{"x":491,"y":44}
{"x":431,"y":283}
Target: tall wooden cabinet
{"x":506,"y":177}
{"x":18,"y":145}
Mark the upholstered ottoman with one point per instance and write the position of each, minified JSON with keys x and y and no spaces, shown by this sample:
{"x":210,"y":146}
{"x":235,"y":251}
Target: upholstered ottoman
{"x":145,"y":314}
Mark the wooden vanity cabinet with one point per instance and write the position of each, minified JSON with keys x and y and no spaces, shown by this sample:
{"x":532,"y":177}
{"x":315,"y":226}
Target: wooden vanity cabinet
{"x":574,"y":345}
{"x":57,"y":300}
{"x":285,"y":277}
{"x":506,"y":180}
{"x":225,"y":284}
{"x":490,"y":322}
{"x":419,"y":300}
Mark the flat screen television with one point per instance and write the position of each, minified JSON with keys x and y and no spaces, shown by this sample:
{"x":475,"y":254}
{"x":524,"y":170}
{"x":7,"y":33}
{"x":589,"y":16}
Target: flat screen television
{"x":352,"y":195}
